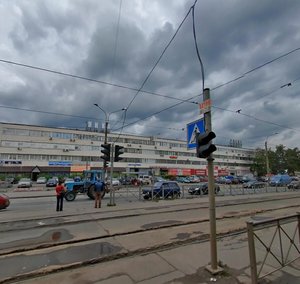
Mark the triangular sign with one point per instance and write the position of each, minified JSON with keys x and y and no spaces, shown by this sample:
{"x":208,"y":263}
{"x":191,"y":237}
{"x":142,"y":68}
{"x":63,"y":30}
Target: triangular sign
{"x":193,"y":136}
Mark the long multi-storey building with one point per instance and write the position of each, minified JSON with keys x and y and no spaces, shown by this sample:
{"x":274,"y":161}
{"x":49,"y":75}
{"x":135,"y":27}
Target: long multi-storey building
{"x":34,"y":150}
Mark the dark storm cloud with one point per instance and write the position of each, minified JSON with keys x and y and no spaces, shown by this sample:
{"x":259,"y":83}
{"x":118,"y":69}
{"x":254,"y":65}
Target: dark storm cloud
{"x":101,"y":62}
{"x":79,"y":37}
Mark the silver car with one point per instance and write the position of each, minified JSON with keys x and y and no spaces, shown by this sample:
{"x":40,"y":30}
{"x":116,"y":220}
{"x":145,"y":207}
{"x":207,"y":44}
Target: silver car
{"x":25,"y":182}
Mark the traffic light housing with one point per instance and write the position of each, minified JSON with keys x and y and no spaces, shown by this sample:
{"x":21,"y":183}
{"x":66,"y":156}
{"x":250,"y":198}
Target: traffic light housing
{"x":204,"y":144}
{"x":106,"y":152}
{"x":119,"y":150}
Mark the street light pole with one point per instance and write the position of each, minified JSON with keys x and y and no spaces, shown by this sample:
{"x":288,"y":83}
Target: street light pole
{"x":267,"y":156}
{"x":107,"y":115}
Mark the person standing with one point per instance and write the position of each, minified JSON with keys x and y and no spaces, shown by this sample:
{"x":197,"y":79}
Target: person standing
{"x":60,"y":193}
{"x":99,"y":187}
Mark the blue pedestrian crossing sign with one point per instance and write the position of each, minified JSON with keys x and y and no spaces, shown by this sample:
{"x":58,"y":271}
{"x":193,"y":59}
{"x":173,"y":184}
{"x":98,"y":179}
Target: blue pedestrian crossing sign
{"x":193,"y":128}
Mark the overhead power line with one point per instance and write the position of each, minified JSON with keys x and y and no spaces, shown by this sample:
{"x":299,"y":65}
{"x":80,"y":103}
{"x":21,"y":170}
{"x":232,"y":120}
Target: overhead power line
{"x":90,"y":80}
{"x":256,"y":118}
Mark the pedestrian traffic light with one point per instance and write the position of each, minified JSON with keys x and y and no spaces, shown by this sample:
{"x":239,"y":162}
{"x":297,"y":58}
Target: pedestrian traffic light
{"x":106,"y":152}
{"x":204,"y":144}
{"x":119,"y":150}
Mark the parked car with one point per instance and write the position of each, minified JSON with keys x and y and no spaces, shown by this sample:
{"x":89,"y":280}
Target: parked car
{"x":41,"y":180}
{"x":126,"y":180}
{"x":280,"y":180}
{"x":183,"y":179}
{"x":157,"y":178}
{"x":115,"y":182}
{"x":25,"y":182}
{"x":51,"y":182}
{"x":254,"y":184}
{"x":162,"y":189}
{"x":144,"y":179}
{"x":294,"y":184}
{"x":194,"y":179}
{"x":11,"y":180}
{"x":201,"y":188}
{"x":77,"y":178}
{"x":223,"y":180}
{"x":4,"y":201}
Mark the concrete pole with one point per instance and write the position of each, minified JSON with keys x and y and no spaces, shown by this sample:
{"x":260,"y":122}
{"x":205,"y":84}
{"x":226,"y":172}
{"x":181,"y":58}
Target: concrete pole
{"x":213,"y":268}
{"x":112,"y":191}
{"x":267,"y":157}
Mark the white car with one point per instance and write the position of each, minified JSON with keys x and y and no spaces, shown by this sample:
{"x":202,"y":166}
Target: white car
{"x":25,"y":182}
{"x":115,"y":182}
{"x":41,"y":180}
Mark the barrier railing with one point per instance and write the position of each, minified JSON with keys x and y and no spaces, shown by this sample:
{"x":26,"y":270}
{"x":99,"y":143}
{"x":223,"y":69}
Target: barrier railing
{"x":273,"y":244}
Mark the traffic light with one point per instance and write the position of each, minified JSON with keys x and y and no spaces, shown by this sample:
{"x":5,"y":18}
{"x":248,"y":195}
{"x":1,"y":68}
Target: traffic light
{"x":119,"y":150}
{"x":204,"y":144}
{"x":106,"y":152}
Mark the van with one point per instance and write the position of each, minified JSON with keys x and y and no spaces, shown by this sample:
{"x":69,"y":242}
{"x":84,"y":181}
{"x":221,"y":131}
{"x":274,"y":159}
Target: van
{"x":144,"y":179}
{"x":280,"y":180}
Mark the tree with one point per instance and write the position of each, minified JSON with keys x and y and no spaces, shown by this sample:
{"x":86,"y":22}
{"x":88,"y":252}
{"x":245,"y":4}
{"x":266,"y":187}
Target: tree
{"x":259,"y":164}
{"x":281,"y":161}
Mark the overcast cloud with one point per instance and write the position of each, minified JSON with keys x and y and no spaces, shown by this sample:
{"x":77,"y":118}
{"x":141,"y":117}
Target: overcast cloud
{"x":82,"y":37}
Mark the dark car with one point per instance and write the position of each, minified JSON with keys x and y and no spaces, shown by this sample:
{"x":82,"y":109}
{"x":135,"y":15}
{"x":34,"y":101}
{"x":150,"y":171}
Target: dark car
{"x":4,"y":201}
{"x":254,"y":184}
{"x":162,"y":189}
{"x":201,"y":188}
{"x":11,"y":180}
{"x":52,"y":182}
{"x":223,"y":180}
{"x":294,"y":184}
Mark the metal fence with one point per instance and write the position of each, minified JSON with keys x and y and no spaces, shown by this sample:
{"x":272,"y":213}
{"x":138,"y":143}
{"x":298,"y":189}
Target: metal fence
{"x":134,"y":193}
{"x":236,"y":189}
{"x":273,"y":245}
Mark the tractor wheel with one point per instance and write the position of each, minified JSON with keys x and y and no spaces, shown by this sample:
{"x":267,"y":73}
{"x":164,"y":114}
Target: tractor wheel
{"x":70,"y":196}
{"x":91,"y":192}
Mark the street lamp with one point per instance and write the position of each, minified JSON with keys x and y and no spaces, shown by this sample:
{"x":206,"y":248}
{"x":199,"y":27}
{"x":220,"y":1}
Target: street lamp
{"x":267,"y":156}
{"x":107,"y":115}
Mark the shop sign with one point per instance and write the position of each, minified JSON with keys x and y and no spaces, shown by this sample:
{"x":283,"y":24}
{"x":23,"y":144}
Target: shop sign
{"x":60,"y":163}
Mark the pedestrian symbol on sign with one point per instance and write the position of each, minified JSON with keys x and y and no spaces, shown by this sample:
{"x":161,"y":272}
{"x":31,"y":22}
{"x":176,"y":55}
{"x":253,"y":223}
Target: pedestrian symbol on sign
{"x":192,"y":129}
{"x":193,"y":136}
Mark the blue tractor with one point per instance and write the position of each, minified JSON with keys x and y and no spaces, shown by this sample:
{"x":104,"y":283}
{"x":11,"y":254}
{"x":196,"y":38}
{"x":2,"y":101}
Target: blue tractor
{"x":86,"y":185}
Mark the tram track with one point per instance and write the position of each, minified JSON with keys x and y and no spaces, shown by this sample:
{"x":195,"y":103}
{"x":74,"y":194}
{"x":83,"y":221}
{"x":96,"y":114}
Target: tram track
{"x":150,"y":237}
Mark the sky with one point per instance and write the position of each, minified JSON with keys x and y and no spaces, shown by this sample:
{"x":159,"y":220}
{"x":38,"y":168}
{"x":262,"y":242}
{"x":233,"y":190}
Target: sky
{"x":59,"y":58}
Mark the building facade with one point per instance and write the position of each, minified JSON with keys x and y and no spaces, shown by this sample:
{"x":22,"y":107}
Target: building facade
{"x":37,"y":150}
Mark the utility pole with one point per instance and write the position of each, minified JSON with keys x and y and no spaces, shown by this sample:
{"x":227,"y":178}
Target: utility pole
{"x":267,"y":158}
{"x":213,"y":267}
{"x":112,"y":190}
{"x":267,"y":154}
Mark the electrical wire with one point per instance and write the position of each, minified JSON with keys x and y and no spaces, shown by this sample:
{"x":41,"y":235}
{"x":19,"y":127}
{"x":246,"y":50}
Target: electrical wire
{"x":47,"y":112}
{"x":90,"y":80}
{"x":256,"y":118}
{"x":196,"y":45}
{"x":160,"y":57}
{"x":116,"y":41}
{"x":153,"y":68}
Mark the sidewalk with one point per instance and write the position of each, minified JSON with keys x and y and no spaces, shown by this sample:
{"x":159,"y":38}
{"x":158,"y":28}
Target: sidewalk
{"x":185,"y":264}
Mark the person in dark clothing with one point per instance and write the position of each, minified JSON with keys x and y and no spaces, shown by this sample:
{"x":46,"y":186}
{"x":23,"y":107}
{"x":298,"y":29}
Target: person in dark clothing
{"x":60,"y":193}
{"x":99,"y":187}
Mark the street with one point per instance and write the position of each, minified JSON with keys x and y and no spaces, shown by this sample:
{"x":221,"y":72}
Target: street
{"x":48,"y":241}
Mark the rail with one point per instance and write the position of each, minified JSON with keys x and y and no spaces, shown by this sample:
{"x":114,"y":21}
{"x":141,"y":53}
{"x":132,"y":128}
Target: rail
{"x":273,"y":245}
